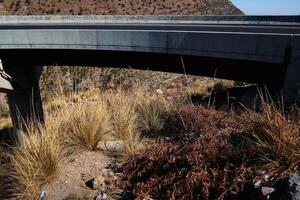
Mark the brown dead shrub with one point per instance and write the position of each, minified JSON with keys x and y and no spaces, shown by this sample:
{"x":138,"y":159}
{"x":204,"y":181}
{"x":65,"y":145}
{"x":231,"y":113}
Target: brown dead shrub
{"x":208,"y":166}
{"x":218,"y":156}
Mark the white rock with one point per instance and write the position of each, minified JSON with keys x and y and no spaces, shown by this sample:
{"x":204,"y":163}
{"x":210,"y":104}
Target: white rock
{"x":294,"y":186}
{"x":257,"y":184}
{"x":102,"y":197}
{"x":267,"y":190}
{"x":111,"y":145}
{"x":266,"y":178}
{"x":159,"y":91}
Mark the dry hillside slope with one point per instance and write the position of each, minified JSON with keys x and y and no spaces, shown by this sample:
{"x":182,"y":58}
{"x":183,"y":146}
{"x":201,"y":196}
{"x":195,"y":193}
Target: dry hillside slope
{"x":121,"y":7}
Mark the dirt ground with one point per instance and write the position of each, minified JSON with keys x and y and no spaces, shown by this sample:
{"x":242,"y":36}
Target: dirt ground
{"x":84,"y":175}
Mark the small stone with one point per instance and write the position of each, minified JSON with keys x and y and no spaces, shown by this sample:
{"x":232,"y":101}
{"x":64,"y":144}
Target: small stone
{"x":266,"y":178}
{"x":114,"y":146}
{"x":258,"y":184}
{"x":267,"y":190}
{"x":159,"y":91}
{"x":118,"y":174}
{"x":261,"y":172}
{"x":42,"y":195}
{"x":294,"y":186}
{"x":102,"y":197}
{"x":96,"y":183}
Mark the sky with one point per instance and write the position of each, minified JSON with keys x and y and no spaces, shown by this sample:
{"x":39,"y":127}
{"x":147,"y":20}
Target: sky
{"x":268,"y":7}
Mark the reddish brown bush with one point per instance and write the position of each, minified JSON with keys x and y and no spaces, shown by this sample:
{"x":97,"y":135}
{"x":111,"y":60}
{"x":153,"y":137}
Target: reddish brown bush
{"x":207,"y":166}
{"x":218,"y":155}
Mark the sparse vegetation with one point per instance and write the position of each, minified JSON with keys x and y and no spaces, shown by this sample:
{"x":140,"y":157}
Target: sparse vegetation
{"x":204,"y":89}
{"x":7,"y":3}
{"x":214,"y":154}
{"x":124,"y":7}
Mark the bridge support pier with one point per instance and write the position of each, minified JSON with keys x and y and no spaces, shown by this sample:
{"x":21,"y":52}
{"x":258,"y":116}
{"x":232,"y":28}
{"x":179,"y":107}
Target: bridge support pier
{"x":291,"y":88}
{"x":25,"y":102}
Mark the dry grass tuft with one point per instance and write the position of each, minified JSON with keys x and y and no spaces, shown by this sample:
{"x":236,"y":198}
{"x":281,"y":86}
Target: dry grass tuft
{"x":35,"y":162}
{"x":154,"y":113}
{"x":7,"y":3}
{"x":56,"y":104}
{"x":204,"y":89}
{"x":84,"y":125}
{"x":276,"y":137}
{"x":125,"y":122}
{"x":4,"y":109}
{"x":5,"y":123}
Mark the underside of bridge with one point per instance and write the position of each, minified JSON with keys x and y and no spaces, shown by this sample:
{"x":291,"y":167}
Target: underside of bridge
{"x":263,"y":73}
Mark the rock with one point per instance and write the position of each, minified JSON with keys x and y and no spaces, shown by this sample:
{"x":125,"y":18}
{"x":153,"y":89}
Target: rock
{"x":267,"y":191}
{"x":294,"y":186}
{"x":102,"y":197}
{"x":42,"y":195}
{"x":266,"y":178}
{"x":258,"y":184}
{"x":97,"y":183}
{"x":159,"y":91}
{"x":115,"y":146}
{"x":261,"y":172}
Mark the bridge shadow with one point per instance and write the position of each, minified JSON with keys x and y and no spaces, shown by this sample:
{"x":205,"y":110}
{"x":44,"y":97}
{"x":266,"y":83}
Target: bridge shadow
{"x":239,"y":98}
{"x":233,"y":98}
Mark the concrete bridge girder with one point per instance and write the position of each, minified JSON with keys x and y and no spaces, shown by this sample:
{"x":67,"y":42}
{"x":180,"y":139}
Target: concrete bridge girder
{"x":244,"y":46}
{"x":291,"y":88}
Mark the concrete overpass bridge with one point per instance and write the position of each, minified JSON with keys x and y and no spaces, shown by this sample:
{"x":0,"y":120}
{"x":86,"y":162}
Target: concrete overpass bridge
{"x":256,"y":49}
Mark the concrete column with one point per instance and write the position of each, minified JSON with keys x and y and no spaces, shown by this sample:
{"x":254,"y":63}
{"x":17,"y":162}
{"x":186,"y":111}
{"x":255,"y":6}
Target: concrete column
{"x":291,"y":88}
{"x":25,"y":101}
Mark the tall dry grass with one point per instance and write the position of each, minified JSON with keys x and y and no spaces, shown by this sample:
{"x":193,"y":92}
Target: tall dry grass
{"x":91,"y":117}
{"x":138,"y":114}
{"x":154,"y":113}
{"x":275,"y":136}
{"x":84,"y":125}
{"x":125,"y":126}
{"x":34,"y":163}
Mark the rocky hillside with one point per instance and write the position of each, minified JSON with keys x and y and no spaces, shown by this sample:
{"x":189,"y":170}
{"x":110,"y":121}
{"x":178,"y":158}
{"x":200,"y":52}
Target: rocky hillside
{"x":120,"y":7}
